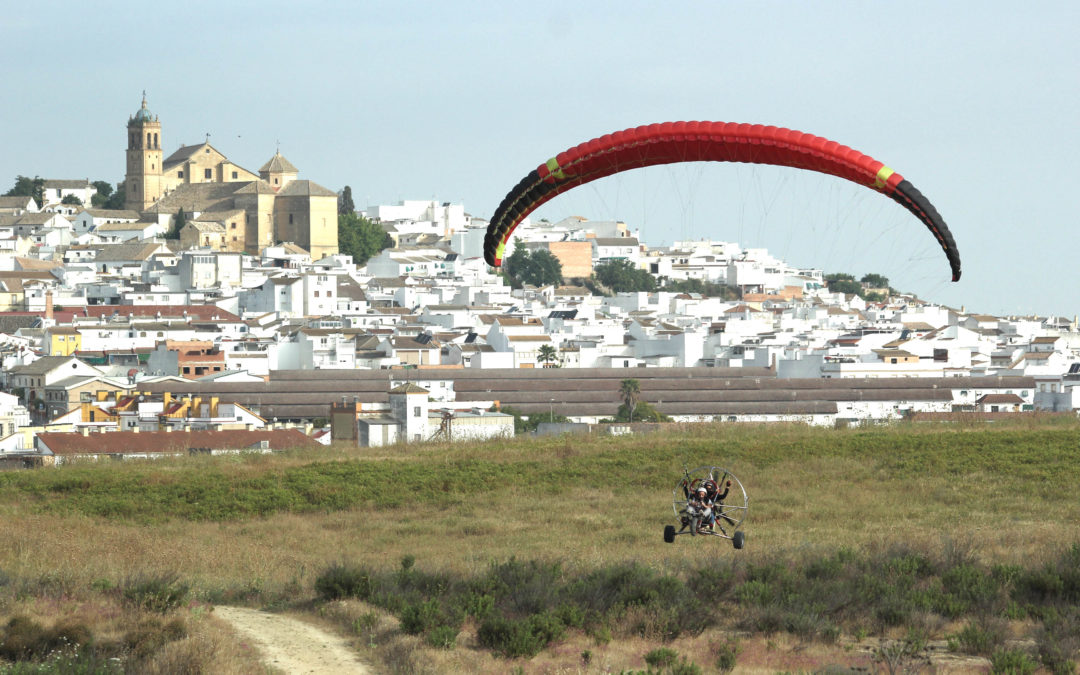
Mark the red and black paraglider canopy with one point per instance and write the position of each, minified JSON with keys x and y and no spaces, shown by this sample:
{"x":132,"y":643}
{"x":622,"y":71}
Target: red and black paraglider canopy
{"x":673,"y":142}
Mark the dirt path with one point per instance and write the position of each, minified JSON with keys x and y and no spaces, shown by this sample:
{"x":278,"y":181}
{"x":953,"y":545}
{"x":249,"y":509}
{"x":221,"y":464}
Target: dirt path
{"x":290,"y":645}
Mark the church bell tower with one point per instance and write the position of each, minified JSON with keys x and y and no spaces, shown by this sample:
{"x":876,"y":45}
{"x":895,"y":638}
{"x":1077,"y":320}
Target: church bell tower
{"x":143,"y":179}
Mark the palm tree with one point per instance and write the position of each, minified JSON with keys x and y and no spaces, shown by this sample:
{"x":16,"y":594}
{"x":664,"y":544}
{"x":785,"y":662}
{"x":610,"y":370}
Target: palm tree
{"x":547,"y":355}
{"x":630,"y":392}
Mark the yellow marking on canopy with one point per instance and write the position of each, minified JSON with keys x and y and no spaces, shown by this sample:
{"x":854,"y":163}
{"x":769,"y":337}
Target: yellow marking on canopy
{"x":882,"y":177}
{"x":499,"y":252}
{"x":553,"y":167}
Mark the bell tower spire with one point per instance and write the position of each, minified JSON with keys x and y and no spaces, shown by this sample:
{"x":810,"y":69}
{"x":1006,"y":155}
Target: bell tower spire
{"x":143,"y":183}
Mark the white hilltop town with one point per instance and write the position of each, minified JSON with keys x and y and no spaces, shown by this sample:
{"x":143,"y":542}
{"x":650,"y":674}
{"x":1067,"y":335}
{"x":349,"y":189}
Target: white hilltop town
{"x":213,"y":312}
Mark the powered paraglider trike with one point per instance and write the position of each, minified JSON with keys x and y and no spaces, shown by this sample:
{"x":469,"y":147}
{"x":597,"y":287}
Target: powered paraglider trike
{"x":709,"y":501}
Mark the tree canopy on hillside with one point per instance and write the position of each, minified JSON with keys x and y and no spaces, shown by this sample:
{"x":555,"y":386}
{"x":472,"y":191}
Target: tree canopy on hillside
{"x":345,"y":203}
{"x":709,"y":289}
{"x":361,"y":238}
{"x":28,"y":187}
{"x":536,"y":268}
{"x":622,"y":277}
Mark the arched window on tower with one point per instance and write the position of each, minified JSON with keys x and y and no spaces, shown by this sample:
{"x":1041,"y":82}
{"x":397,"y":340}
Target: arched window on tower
{"x":156,"y":146}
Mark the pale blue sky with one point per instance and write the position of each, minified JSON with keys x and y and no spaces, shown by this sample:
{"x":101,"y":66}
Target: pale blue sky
{"x":977,"y":104}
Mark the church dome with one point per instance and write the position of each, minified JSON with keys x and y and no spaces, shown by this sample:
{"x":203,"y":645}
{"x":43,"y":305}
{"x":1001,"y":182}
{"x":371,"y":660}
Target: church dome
{"x":143,"y":114}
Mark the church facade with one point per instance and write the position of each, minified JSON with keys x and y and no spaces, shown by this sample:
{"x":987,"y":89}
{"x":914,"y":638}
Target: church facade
{"x":225,"y":206}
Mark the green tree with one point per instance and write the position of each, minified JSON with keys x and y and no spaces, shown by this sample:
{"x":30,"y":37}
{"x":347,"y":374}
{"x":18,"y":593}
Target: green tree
{"x":838,"y":282}
{"x":630,"y":393}
{"x":875,"y":280}
{"x":548,"y":354}
{"x":536,"y":419}
{"x":345,"y":203}
{"x":71,"y":199}
{"x":361,"y":238}
{"x":104,"y":191}
{"x":537,"y":268}
{"x":521,"y":426}
{"x":707,"y":288}
{"x":622,"y":277}
{"x":178,"y":224}
{"x":116,"y":200}
{"x":642,"y":412}
{"x":28,"y":187}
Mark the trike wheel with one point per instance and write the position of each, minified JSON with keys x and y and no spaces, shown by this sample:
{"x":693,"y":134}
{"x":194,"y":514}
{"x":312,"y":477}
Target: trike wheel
{"x":738,"y":539}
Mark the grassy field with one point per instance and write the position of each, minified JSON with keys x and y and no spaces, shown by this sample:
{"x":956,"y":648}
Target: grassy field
{"x":261,"y":530}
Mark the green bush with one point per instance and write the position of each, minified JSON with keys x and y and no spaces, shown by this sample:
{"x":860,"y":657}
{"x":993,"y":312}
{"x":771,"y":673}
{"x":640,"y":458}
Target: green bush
{"x":1012,"y":662}
{"x":980,"y":639}
{"x":969,"y":588}
{"x":1058,"y":641}
{"x":443,"y":637}
{"x":509,"y":638}
{"x":156,"y":592}
{"x":661,"y":658}
{"x":525,"y":588}
{"x":420,"y":617}
{"x":477,"y":605}
{"x":524,"y":637}
{"x":726,"y":655}
{"x":712,"y":582}
{"x":764,"y":620}
{"x":24,"y":639}
{"x":754,"y":593}
{"x":344,"y":581}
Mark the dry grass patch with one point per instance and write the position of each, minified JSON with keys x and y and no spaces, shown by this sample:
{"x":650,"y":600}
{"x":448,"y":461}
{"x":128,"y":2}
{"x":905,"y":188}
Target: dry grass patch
{"x":999,"y":495}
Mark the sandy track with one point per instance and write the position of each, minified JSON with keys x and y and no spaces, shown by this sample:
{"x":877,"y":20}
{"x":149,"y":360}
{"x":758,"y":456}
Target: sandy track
{"x":292,"y":645}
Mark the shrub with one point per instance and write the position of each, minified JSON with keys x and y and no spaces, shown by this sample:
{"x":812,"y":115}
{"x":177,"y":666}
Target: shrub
{"x":625,"y":585}
{"x":156,"y":592}
{"x":754,"y":593}
{"x":1058,"y":641}
{"x":713,"y":582}
{"x":572,"y":616}
{"x":547,"y":627}
{"x":523,"y":587}
{"x":520,"y":638}
{"x":477,"y":605}
{"x":509,"y":638}
{"x":152,"y":635}
{"x":1012,"y":662}
{"x":981,"y":639}
{"x":726,"y":654}
{"x":661,"y":658}
{"x":366,"y":622}
{"x":420,"y":617}
{"x":25,"y":639}
{"x":763,"y":620}
{"x":970,"y":587}
{"x":443,"y":637}
{"x":1039,"y":587}
{"x":684,"y":667}
{"x":344,"y":581}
